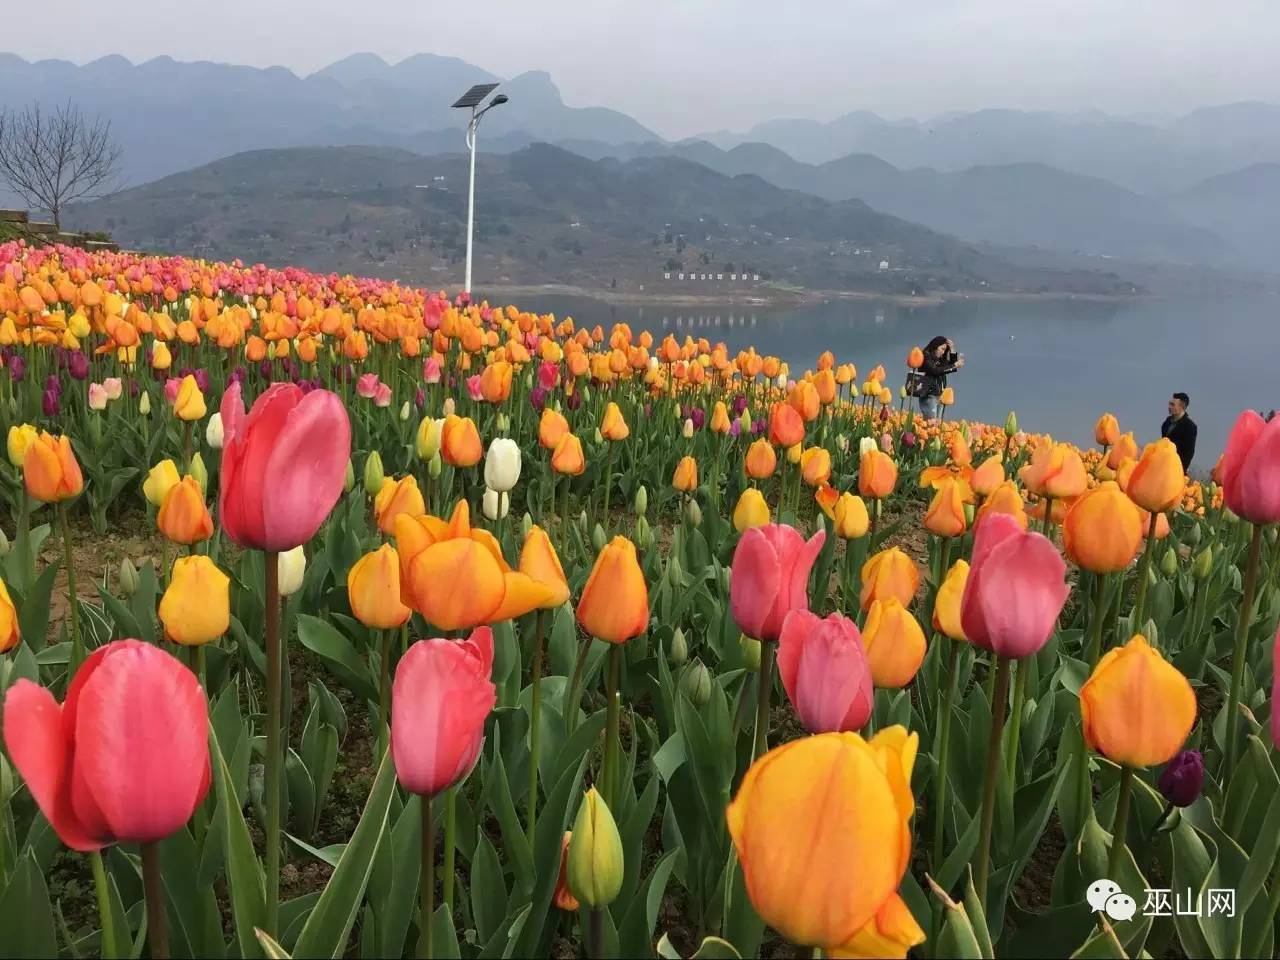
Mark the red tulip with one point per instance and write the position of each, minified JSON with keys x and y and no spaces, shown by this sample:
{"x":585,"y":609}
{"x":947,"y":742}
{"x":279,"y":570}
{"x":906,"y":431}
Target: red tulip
{"x":439,"y":701}
{"x":125,"y":758}
{"x":825,"y":671}
{"x":770,"y":577}
{"x":283,"y":465}
{"x":1016,"y":588}
{"x":1251,"y":469}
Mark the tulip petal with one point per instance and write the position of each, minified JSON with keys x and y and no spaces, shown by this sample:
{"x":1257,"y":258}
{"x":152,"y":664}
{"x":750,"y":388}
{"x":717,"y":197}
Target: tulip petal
{"x":36,"y":737}
{"x":1257,"y":483}
{"x":306,"y":469}
{"x":436,"y":574}
{"x":754,"y":582}
{"x":1248,"y":427}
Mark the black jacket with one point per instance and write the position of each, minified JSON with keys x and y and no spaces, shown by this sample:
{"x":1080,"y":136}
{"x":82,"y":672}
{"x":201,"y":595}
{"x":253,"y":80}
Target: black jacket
{"x":935,"y":375}
{"x":1183,"y":434}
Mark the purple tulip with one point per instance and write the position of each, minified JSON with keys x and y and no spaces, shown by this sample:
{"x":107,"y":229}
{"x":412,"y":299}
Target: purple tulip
{"x":184,"y":373}
{"x":305,"y":386}
{"x":908,"y":439}
{"x":739,"y":404}
{"x":202,"y":380}
{"x":735,"y":427}
{"x":17,"y":368}
{"x":78,"y":365}
{"x":50,"y":403}
{"x":420,"y":398}
{"x":1183,"y":778}
{"x":134,"y":388}
{"x":575,"y":400}
{"x":51,"y":382}
{"x":699,"y":417}
{"x":685,"y":411}
{"x":237,"y":376}
{"x":264,"y":369}
{"x":538,"y":397}
{"x":760,"y":426}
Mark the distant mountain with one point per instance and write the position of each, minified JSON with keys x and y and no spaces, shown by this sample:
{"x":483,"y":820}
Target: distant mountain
{"x":169,"y":115}
{"x":546,"y":215}
{"x":1147,"y":157}
{"x":1244,"y":207}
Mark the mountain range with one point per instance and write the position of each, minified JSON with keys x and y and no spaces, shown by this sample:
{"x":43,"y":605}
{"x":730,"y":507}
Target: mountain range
{"x":1203,"y":188}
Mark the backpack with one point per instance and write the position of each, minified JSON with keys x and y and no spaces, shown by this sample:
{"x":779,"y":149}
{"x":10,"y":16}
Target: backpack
{"x":917,"y":384}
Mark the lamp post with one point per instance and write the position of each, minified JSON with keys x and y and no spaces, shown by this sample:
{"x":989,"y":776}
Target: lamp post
{"x":471,"y":99}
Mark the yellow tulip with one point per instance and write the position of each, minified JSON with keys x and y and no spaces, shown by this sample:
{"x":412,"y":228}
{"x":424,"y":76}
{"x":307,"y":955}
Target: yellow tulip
{"x":196,"y":607}
{"x":751,"y":511}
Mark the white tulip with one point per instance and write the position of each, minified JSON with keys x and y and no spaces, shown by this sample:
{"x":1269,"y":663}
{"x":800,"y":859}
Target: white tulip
{"x":291,"y":566}
{"x":865,"y":445}
{"x":502,"y":465}
{"x":495,"y":504}
{"x":404,"y":411}
{"x":213,"y":432}
{"x":688,"y":427}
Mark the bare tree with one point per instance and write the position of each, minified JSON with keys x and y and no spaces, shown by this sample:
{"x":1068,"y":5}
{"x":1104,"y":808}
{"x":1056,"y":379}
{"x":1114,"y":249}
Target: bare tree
{"x":53,"y":159}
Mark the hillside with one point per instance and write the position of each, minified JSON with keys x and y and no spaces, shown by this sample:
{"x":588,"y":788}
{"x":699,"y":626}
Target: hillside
{"x":546,"y":215}
{"x":1244,"y":207}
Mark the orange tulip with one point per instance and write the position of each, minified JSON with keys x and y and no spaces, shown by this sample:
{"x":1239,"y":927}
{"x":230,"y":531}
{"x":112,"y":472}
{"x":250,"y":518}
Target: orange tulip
{"x":613,"y":426}
{"x":945,"y":516}
{"x":614,"y":606}
{"x":890,"y":573}
{"x":1158,"y":481}
{"x":948,"y":396}
{"x":686,"y":476}
{"x":539,"y":562}
{"x":183,"y":517}
{"x":460,"y":442}
{"x":1102,"y":532}
{"x":894,"y":643}
{"x":825,"y":384}
{"x":1124,"y":448}
{"x":495,"y":382}
{"x":849,"y":517}
{"x":877,"y":475}
{"x":567,"y":457}
{"x":815,"y":466}
{"x":988,"y":476}
{"x":761,"y":460}
{"x":1107,"y":430}
{"x":946,"y":606}
{"x":397,"y":497}
{"x":786,"y":427}
{"x":50,"y":470}
{"x":812,"y":813}
{"x":958,"y":450}
{"x":373,"y":589}
{"x":915,"y":358}
{"x":720,"y":418}
{"x":10,"y":632}
{"x":1055,"y":471}
{"x":551,"y":428}
{"x":1137,"y":709}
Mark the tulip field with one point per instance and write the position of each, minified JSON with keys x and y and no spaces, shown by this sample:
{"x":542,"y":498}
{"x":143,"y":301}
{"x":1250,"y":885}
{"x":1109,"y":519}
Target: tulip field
{"x":454,"y":630}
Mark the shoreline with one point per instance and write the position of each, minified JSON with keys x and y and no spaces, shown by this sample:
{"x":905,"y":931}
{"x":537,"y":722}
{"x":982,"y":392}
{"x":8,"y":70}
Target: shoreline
{"x":784,"y":297}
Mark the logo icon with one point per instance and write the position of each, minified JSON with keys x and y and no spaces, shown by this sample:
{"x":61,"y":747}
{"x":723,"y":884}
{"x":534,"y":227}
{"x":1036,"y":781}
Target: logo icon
{"x":1106,"y":896}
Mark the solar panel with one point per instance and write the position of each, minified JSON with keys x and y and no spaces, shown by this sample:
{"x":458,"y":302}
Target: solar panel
{"x":476,"y":94}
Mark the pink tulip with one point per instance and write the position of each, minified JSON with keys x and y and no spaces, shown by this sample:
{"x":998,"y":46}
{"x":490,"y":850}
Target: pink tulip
{"x":125,"y":758}
{"x":548,"y":375}
{"x":382,"y":396}
{"x":283,"y":465}
{"x":1015,"y":591}
{"x":171,"y":390}
{"x":431,"y":370}
{"x":367,"y":385}
{"x":97,"y":396}
{"x":825,"y":672}
{"x":114,"y":387}
{"x":473,"y":388}
{"x":770,"y":577}
{"x":439,"y":701}
{"x":1251,"y":469}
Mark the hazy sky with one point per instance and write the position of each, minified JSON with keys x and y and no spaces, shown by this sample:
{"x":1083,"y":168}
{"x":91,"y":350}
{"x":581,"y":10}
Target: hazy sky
{"x":686,"y":67}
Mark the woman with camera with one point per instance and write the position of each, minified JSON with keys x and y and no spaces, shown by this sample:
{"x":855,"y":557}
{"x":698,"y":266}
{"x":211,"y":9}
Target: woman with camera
{"x":940,"y":359}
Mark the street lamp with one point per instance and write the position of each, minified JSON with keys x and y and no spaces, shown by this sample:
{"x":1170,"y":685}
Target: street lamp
{"x":472,"y":100}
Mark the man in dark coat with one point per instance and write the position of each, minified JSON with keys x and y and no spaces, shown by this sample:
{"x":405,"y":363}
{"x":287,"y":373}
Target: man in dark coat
{"x":1180,"y":429}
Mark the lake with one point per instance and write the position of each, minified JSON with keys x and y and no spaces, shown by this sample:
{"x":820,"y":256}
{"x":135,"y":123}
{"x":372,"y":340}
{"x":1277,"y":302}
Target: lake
{"x":1058,"y":363}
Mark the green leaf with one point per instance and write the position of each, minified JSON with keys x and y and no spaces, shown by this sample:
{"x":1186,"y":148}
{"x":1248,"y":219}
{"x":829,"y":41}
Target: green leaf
{"x":244,"y":874}
{"x":957,"y":938}
{"x":488,"y":890}
{"x":271,"y":949}
{"x":635,"y":936}
{"x":329,"y":926}
{"x":711,"y":948}
{"x":978,"y":918}
{"x":1103,"y":945}
{"x":26,"y":916}
{"x":34,"y":607}
{"x":338,"y":653}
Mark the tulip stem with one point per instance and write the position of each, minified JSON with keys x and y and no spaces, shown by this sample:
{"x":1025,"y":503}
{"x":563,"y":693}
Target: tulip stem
{"x":1099,"y":617}
{"x":107,"y":938}
{"x":73,"y":621}
{"x":608,"y":485}
{"x":595,"y":934}
{"x":612,"y":742}
{"x":535,"y":719}
{"x":992,"y":778}
{"x":1144,"y":575}
{"x":272,"y":760}
{"x":764,"y":688}
{"x":384,"y":690}
{"x":153,"y":887}
{"x":943,"y":751}
{"x":427,"y":884}
{"x":575,"y":692}
{"x":1121,"y":822}
{"x":450,"y":845}
{"x":1015,"y":718}
{"x":1241,"y":651}
{"x":24,"y":537}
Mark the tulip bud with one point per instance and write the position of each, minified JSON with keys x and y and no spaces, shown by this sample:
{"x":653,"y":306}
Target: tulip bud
{"x":865,"y":446}
{"x":199,"y":471}
{"x":1183,"y":778}
{"x":693,"y":512}
{"x":404,"y":410}
{"x":373,"y":474}
{"x":902,"y":392}
{"x":503,"y":423}
{"x":750,"y":652}
{"x":427,"y":441}
{"x":436,"y":466}
{"x":1271,"y":535}
{"x":679,"y":648}
{"x":1193,"y":536}
{"x":349,"y":481}
{"x":599,"y":437}
{"x":598,"y":538}
{"x":1011,"y":424}
{"x":213,"y":431}
{"x":644,"y":536}
{"x":695,"y":683}
{"x":144,"y":404}
{"x":675,"y":575}
{"x":495,"y":504}
{"x":526,"y":524}
{"x":688,"y":428}
{"x":4,"y":545}
{"x":586,"y":393}
{"x":1203,"y":565}
{"x":1169,"y":563}
{"x":595,"y":854}
{"x":584,"y":523}
{"x":291,"y":567}
{"x":129,"y":580}
{"x":449,"y":406}
{"x":642,"y":501}
{"x":1152,"y":580}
